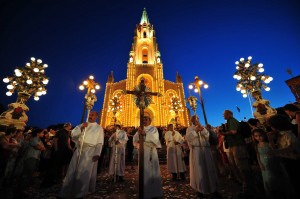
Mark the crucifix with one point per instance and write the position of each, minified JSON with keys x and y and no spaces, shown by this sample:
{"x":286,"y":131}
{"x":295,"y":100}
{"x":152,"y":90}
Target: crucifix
{"x":143,"y":99}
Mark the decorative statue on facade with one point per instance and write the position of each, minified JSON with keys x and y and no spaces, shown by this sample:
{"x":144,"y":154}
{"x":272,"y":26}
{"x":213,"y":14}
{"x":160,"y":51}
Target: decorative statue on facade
{"x":263,"y":109}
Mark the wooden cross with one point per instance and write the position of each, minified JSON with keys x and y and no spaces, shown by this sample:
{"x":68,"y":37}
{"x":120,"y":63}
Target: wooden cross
{"x":142,"y":101}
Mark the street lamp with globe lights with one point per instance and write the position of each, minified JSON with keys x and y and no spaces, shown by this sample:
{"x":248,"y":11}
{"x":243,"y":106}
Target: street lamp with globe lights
{"x":29,"y":80}
{"x":90,"y":97}
{"x":26,"y":81}
{"x":251,"y":80}
{"x":196,"y":85}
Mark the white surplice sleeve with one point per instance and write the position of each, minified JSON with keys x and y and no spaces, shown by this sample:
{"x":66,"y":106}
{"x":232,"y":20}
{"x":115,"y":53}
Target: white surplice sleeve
{"x":122,"y":137}
{"x":135,"y":138}
{"x":110,"y":140}
{"x":178,"y":137}
{"x":168,"y":138}
{"x":100,"y":141}
{"x":204,"y":133}
{"x":76,"y":132}
{"x":153,"y":137}
{"x":191,"y":135}
{"x":98,"y":149}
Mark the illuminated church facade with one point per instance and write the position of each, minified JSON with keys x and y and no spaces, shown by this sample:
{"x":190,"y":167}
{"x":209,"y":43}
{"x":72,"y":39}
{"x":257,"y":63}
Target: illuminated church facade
{"x":144,"y":62}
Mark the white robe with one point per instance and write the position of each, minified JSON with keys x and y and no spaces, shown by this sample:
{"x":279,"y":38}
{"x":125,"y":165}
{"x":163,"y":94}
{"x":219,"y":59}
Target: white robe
{"x":122,"y":138}
{"x":174,"y":152}
{"x":80,"y":183}
{"x":203,"y":175}
{"x":152,"y":179}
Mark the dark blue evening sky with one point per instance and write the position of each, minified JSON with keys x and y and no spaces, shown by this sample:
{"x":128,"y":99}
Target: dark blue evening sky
{"x":204,"y":37}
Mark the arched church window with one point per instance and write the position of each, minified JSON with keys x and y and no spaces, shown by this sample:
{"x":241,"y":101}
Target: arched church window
{"x":145,"y":56}
{"x":145,"y":35}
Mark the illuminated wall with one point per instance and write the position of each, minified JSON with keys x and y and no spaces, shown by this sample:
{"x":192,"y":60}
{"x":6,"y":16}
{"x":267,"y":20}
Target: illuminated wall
{"x":144,"y":61}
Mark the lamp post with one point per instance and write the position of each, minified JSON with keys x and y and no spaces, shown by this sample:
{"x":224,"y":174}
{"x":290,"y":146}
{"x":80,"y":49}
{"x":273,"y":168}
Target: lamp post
{"x":27,"y":81}
{"x":251,"y":80}
{"x":196,"y":85}
{"x":90,"y":97}
{"x":175,"y":106}
{"x":115,"y":106}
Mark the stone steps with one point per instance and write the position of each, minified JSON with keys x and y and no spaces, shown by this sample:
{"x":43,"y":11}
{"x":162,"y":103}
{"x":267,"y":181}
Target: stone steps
{"x":162,"y":154}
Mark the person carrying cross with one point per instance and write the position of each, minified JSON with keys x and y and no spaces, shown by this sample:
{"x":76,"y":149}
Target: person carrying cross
{"x":152,"y":179}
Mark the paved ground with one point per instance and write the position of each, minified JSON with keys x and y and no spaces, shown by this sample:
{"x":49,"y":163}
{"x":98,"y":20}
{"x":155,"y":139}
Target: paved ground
{"x":106,"y":188}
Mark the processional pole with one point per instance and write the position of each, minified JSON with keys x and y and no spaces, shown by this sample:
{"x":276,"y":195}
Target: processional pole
{"x":89,"y":104}
{"x":143,"y":99}
{"x":116,"y":154}
{"x":90,"y":99}
{"x":176,"y":157}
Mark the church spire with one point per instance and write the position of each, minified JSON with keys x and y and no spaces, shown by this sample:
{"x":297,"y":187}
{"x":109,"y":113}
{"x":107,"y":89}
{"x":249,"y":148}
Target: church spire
{"x":178,"y":78}
{"x":110,"y":78}
{"x":144,"y":18}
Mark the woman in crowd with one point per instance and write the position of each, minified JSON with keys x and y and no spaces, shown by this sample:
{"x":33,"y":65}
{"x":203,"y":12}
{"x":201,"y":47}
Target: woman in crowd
{"x":31,"y":159}
{"x":275,"y":179}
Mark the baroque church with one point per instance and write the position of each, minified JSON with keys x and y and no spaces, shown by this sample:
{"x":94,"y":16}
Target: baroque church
{"x":144,"y":62}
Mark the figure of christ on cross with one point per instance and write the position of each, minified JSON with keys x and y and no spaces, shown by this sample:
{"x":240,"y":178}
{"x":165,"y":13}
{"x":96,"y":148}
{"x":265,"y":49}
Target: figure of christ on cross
{"x":142,"y":101}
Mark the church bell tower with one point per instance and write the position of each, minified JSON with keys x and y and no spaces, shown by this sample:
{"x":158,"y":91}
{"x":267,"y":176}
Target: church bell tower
{"x":144,"y":62}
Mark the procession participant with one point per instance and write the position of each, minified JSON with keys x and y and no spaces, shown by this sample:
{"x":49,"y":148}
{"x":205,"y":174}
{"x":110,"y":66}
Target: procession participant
{"x":118,"y":141}
{"x":152,"y":177}
{"x":203,"y":174}
{"x":175,"y":161}
{"x":81,"y":175}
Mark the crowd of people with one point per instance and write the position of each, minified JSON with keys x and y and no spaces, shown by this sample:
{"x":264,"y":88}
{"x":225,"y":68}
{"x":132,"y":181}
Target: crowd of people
{"x":73,"y":156}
